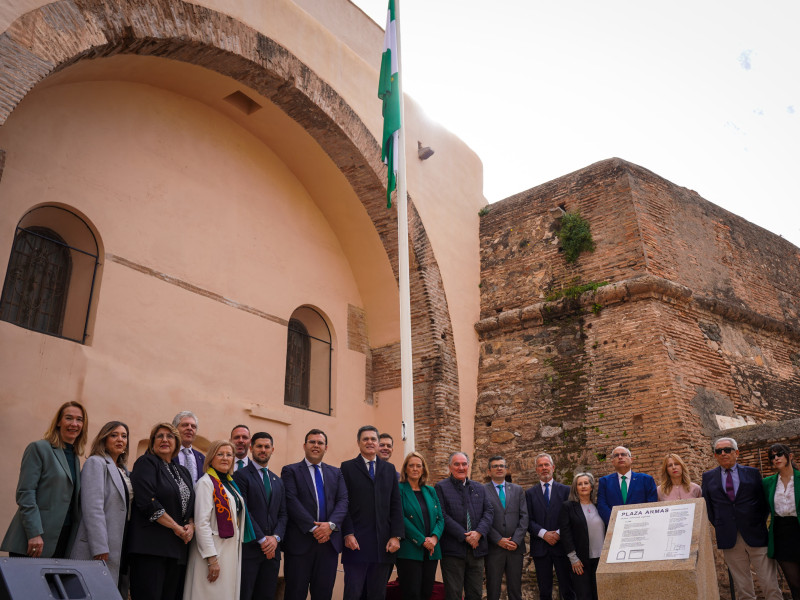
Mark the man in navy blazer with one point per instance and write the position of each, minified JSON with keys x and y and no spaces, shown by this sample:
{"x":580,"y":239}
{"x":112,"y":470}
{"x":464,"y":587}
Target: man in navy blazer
{"x":186,"y":424}
{"x":374,"y":523}
{"x":623,"y":486}
{"x":544,"y":505}
{"x":266,"y":503}
{"x":468,"y":516}
{"x":313,"y":539}
{"x":738,"y":509}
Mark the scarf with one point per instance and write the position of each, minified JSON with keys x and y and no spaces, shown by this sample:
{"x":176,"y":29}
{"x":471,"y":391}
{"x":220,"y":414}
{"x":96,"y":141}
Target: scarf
{"x":223,"y":509}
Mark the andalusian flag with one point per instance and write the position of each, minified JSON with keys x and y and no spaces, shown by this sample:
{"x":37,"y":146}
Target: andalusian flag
{"x":389,"y":92}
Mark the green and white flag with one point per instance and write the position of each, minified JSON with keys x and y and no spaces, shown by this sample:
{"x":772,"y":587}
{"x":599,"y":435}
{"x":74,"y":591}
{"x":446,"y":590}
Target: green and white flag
{"x":389,"y":92}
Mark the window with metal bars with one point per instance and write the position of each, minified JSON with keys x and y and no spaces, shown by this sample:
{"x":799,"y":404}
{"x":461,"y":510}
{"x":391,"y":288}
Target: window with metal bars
{"x":308,"y":362}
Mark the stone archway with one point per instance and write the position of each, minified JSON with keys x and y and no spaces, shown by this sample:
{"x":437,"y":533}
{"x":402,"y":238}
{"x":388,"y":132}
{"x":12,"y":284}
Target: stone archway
{"x":57,"y":35}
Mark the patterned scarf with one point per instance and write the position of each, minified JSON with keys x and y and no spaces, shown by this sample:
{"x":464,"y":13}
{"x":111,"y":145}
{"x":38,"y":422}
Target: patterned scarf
{"x":223,"y":509}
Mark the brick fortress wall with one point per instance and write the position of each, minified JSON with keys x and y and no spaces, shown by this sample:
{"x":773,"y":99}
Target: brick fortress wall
{"x":699,"y":320}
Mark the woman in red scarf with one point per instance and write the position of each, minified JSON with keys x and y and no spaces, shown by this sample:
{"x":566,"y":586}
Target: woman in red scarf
{"x":221,"y":525}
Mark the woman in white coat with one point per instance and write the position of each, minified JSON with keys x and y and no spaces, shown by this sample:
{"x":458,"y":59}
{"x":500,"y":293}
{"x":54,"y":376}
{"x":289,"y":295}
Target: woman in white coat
{"x":105,"y":499}
{"x":221,"y":526}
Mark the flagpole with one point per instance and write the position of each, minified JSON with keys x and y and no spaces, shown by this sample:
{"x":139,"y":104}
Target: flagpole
{"x":406,"y":361}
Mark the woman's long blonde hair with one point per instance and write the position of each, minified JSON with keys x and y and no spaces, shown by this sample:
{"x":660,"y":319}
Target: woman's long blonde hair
{"x":666,"y":480}
{"x":53,"y":433}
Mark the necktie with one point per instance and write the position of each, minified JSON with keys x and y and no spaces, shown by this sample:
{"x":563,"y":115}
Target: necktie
{"x":501,"y":491}
{"x":729,"y":485}
{"x":547,"y":493}
{"x":239,"y":464}
{"x":323,"y":511}
{"x":372,"y":469}
{"x":267,"y":483}
{"x":624,"y":490}
{"x":190,"y":463}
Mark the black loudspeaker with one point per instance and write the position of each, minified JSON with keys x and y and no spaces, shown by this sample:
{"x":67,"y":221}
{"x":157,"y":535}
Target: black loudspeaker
{"x":55,"y":578}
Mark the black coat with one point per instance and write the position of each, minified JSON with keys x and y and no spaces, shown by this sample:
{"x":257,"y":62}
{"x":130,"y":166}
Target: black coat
{"x":375,"y":511}
{"x":155,"y":488}
{"x":268,"y":518}
{"x":574,"y":531}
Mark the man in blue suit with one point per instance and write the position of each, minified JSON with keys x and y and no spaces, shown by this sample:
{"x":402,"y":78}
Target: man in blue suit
{"x":374,"y":523}
{"x":623,"y":486}
{"x":738,"y":509}
{"x":544,"y":505}
{"x":316,"y":501}
{"x":468,"y":516}
{"x":266,"y":502}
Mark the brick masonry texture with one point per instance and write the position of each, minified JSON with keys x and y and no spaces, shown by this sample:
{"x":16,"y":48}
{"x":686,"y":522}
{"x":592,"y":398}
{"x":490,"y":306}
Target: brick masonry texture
{"x":54,"y":36}
{"x":699,"y":318}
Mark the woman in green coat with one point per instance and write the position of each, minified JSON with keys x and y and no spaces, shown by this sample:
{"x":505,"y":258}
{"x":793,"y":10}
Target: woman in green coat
{"x":48,"y":500}
{"x":419,"y":552}
{"x":783,"y":494}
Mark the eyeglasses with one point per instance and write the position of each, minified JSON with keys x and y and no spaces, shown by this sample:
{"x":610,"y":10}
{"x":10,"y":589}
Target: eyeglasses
{"x":620,"y":455}
{"x":726,"y":450}
{"x":776,"y":455}
{"x":498,"y":466}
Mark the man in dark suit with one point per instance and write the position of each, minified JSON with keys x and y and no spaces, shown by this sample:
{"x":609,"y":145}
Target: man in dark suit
{"x":623,"y":486}
{"x":266,"y":503}
{"x":386,"y":449}
{"x":544,"y":505}
{"x":374,"y":523}
{"x":738,"y":509}
{"x":186,"y":424}
{"x":468,"y":516}
{"x":316,"y":502}
{"x":507,"y":533}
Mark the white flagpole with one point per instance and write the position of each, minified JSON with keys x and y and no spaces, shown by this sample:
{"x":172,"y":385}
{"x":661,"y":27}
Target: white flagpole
{"x":406,"y":366}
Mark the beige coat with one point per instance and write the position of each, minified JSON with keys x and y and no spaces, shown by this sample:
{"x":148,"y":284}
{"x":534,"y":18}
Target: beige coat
{"x":207,"y":543}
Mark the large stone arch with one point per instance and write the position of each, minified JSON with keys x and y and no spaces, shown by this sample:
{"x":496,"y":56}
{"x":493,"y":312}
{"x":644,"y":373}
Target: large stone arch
{"x":57,"y":35}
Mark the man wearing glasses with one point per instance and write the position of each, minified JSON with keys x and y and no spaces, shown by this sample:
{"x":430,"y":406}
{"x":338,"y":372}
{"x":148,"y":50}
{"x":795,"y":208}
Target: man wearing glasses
{"x":624,"y":486}
{"x":738,"y":509}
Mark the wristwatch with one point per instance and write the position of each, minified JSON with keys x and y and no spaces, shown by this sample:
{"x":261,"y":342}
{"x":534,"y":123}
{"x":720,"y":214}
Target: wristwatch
{"x":333,"y":525}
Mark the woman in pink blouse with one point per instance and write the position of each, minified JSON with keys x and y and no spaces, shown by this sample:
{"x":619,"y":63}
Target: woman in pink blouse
{"x":675,"y":481}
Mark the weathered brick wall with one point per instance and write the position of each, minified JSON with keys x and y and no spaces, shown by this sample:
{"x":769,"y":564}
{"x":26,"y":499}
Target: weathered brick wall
{"x":698,"y":320}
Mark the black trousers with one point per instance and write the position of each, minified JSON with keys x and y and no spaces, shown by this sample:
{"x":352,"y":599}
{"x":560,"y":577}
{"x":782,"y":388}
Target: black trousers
{"x":586,"y":585}
{"x":259,"y":575}
{"x":368,"y":578}
{"x":463,"y":574}
{"x":156,"y":577}
{"x":416,"y":578}
{"x":544,"y":576}
{"x":313,"y":572}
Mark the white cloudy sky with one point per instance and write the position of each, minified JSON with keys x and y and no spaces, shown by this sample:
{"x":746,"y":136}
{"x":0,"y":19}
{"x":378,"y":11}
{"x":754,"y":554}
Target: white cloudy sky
{"x":705,"y":93}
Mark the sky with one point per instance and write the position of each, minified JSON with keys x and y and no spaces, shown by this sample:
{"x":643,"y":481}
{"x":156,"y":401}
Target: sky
{"x":704,"y":93}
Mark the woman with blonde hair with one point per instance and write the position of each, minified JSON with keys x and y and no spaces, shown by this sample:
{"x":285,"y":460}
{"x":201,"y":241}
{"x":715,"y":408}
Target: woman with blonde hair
{"x":46,"y":524}
{"x":222,"y":525}
{"x":675,"y":482}
{"x":105,"y":500}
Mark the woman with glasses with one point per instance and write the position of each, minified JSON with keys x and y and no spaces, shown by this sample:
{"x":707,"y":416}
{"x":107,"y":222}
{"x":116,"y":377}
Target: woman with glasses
{"x":582,"y":534}
{"x":782,"y":491}
{"x":161,"y":523}
{"x":222,"y":525}
{"x":675,"y":482}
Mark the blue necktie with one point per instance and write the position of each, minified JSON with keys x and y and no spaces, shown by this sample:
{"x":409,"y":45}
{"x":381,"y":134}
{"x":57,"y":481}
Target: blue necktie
{"x":547,"y":493}
{"x":323,"y":512}
{"x":372,"y":469}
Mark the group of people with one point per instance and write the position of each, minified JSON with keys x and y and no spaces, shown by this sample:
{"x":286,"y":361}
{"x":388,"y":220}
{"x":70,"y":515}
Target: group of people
{"x":185,"y":525}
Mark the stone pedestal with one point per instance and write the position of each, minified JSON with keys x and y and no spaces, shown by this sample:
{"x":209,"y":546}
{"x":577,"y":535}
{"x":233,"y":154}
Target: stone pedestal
{"x":692,"y":578}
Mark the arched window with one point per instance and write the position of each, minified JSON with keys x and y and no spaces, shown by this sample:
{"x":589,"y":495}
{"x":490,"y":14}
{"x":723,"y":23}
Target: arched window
{"x":35,"y":290}
{"x":308,"y":362}
{"x":51,"y":274}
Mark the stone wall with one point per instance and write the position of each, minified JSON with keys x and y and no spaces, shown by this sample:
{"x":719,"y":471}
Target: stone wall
{"x":692,"y":327}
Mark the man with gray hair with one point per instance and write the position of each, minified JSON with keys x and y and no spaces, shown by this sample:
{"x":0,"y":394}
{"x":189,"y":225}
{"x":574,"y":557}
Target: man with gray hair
{"x":623,"y":486}
{"x":544,"y":507}
{"x":468,"y":517}
{"x":186,"y":424}
{"x":738,"y":509}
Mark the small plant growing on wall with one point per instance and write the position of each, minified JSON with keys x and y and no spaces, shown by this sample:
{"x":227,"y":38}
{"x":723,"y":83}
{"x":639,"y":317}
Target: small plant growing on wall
{"x":575,"y":236}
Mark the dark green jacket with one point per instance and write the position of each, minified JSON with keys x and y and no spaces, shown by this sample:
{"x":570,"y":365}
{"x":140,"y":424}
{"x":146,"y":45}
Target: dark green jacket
{"x":770,"y":485}
{"x":411,"y":545}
